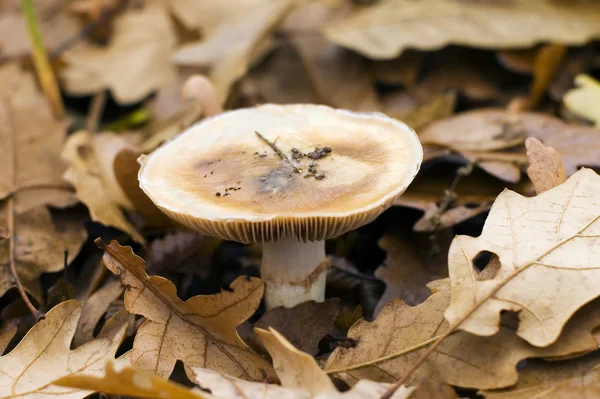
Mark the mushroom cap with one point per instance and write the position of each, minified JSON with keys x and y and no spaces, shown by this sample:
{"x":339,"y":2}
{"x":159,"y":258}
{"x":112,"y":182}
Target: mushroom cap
{"x":220,"y":178}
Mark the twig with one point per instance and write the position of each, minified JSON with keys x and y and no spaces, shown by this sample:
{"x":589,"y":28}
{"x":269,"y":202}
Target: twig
{"x":40,"y":61}
{"x":10,"y":210}
{"x":477,"y":305}
{"x":278,"y":152}
{"x":95,"y":112}
{"x":384,"y":358}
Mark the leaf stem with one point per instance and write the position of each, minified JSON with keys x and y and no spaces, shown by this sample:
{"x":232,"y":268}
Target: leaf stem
{"x":40,"y":61}
{"x":384,"y":358}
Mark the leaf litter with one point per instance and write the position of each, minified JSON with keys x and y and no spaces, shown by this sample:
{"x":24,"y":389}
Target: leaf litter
{"x":506,"y":113}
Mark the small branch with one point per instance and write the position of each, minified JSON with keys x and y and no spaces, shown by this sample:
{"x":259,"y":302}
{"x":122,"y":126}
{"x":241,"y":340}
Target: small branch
{"x":278,"y":152}
{"x":384,"y":358}
{"x":40,"y":61}
{"x":95,"y":112}
{"x":12,"y":261}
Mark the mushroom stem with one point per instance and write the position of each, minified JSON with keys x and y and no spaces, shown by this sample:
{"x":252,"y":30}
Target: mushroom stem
{"x":294,"y":272}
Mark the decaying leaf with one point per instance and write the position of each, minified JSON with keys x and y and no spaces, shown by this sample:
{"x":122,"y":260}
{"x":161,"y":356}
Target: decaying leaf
{"x":303,"y":325}
{"x":91,"y":159}
{"x":407,"y":269}
{"x":463,"y":359}
{"x":492,"y":134}
{"x":145,"y":53}
{"x":545,"y":166}
{"x":385,"y":30}
{"x":30,"y":144}
{"x":240,"y":35}
{"x":201,"y":331}
{"x":536,"y":240}
{"x":6,"y":336}
{"x":44,"y":355}
{"x":55,"y":27}
{"x":131,"y":382}
{"x":577,"y":378}
{"x":583,"y":100}
{"x":93,"y":309}
{"x":300,"y":375}
{"x":40,"y":239}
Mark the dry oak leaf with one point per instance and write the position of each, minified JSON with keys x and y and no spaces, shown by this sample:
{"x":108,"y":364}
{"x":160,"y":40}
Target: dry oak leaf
{"x":300,"y":375}
{"x":576,"y":378}
{"x":30,"y":143}
{"x":480,"y":134}
{"x":91,"y":158}
{"x":408,"y":267}
{"x":201,"y":332}
{"x":241,"y":35}
{"x":303,"y":325}
{"x":545,"y":166}
{"x":547,"y":246}
{"x":583,"y":100}
{"x":385,"y":30}
{"x":6,"y":336}
{"x":135,"y":62}
{"x":44,"y":355}
{"x":41,"y":238}
{"x":128,"y":381}
{"x":389,"y":346}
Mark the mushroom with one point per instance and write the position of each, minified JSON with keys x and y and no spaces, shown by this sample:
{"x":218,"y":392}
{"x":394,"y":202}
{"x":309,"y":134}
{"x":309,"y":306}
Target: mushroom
{"x":286,"y":176}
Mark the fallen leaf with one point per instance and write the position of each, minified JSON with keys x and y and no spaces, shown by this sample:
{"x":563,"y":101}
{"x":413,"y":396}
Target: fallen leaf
{"x":56,"y":27}
{"x":545,"y":166}
{"x":583,"y":99}
{"x":577,"y":62}
{"x":482,"y":133}
{"x":403,"y":70}
{"x":44,"y":356}
{"x":91,"y":159}
{"x":200,"y":331}
{"x":40,"y":239}
{"x":144,"y":51}
{"x":131,"y":382}
{"x":240,"y":35}
{"x":408,"y":269}
{"x":281,"y":79}
{"x":300,"y":375}
{"x":125,"y":171}
{"x":577,"y":378}
{"x":387,"y":347}
{"x":30,"y":144}
{"x":303,"y":325}
{"x":539,"y":276}
{"x":547,"y":61}
{"x":430,"y":388}
{"x":519,"y":61}
{"x":437,"y":108}
{"x":385,"y":30}
{"x":93,"y":309}
{"x":6,"y":336}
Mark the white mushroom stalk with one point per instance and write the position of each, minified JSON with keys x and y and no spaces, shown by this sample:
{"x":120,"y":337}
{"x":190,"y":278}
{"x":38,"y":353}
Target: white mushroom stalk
{"x":294,"y":272}
{"x":285,"y":176}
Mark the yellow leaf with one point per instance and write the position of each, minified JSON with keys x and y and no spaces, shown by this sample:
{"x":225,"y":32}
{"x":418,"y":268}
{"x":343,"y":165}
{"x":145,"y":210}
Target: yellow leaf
{"x":387,"y":347}
{"x":91,"y":171}
{"x":44,"y":356}
{"x":132,"y":382}
{"x":584,"y":100}
{"x":547,"y":246}
{"x":135,"y":62}
{"x":385,"y":30}
{"x":201,"y":331}
{"x":300,"y":375}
